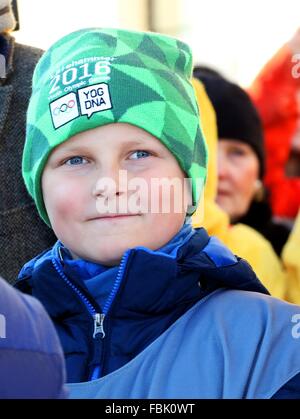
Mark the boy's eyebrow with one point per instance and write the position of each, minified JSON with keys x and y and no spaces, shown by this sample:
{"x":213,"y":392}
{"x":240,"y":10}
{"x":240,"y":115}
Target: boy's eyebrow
{"x":69,"y":150}
{"x":145,"y":143}
{"x":131,"y":143}
{"x":83,"y":148}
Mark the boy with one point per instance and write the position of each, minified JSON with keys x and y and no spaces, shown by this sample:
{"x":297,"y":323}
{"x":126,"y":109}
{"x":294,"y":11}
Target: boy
{"x":145,"y":306}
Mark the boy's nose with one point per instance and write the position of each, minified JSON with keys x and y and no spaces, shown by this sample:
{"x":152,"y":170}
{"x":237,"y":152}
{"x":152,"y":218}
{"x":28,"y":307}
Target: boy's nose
{"x":105,"y":189}
{"x":110,"y":186}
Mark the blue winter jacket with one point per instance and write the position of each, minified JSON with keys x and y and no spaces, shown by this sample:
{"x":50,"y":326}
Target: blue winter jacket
{"x":172,"y":327}
{"x":31,"y":358}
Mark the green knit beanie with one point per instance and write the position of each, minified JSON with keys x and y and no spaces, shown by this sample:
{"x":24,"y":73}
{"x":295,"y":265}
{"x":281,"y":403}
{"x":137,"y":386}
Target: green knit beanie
{"x":95,"y":77}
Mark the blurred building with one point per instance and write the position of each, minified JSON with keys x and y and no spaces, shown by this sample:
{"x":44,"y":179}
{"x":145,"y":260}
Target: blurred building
{"x":236,"y":37}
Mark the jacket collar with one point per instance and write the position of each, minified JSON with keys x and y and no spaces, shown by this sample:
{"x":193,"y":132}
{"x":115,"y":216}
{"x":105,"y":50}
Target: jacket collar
{"x":153,"y":282}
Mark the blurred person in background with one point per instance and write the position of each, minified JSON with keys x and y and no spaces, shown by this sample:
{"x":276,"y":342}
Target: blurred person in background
{"x":241,"y":239}
{"x":241,"y":160}
{"x":276,"y":94}
{"x":291,"y":262}
{"x":22,"y":232}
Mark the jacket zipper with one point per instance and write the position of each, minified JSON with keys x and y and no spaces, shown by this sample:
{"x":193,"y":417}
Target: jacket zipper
{"x":97,"y":317}
{"x":98,"y":320}
{"x":117,"y":283}
{"x":98,"y":325}
{"x":112,"y":296}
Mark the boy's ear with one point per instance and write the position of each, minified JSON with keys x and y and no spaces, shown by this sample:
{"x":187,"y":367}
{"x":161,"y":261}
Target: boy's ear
{"x":190,"y":210}
{"x":190,"y":207}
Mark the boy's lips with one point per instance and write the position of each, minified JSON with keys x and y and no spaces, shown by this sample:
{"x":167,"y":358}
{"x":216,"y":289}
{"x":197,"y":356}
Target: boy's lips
{"x":112,"y":216}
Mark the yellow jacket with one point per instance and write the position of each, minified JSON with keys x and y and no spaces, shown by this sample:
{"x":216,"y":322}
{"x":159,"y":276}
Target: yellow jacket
{"x":291,"y":261}
{"x":241,"y":239}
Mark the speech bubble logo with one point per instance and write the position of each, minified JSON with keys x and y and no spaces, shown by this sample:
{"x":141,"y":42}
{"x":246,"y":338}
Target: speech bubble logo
{"x":94,"y":98}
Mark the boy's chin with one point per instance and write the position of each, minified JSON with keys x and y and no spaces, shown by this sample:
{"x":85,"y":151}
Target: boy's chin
{"x":108,"y":250}
{"x":108,"y":256}
{"x":106,"y":260}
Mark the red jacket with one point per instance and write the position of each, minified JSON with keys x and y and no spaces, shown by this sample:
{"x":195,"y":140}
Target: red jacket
{"x":274,"y":92}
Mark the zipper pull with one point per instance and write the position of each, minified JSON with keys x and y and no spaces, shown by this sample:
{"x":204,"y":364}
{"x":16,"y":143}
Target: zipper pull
{"x":98,"y":325}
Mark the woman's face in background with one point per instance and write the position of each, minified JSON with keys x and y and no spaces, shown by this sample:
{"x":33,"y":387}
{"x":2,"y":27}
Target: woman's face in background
{"x":238,"y":171}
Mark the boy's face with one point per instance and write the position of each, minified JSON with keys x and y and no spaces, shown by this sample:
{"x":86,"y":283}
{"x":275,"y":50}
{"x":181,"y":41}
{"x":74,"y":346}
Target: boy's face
{"x":101,"y":191}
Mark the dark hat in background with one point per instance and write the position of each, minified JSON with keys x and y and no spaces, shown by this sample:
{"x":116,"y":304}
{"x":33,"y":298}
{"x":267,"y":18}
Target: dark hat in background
{"x":7,"y":19}
{"x":237,"y":117}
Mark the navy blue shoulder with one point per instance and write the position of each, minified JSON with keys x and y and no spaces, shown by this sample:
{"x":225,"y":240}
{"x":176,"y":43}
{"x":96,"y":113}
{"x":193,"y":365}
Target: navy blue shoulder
{"x":290,"y":391}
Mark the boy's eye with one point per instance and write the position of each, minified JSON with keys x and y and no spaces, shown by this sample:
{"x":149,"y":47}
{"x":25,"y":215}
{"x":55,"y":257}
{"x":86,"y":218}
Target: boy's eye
{"x":139,"y":154}
{"x":76,"y":160}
